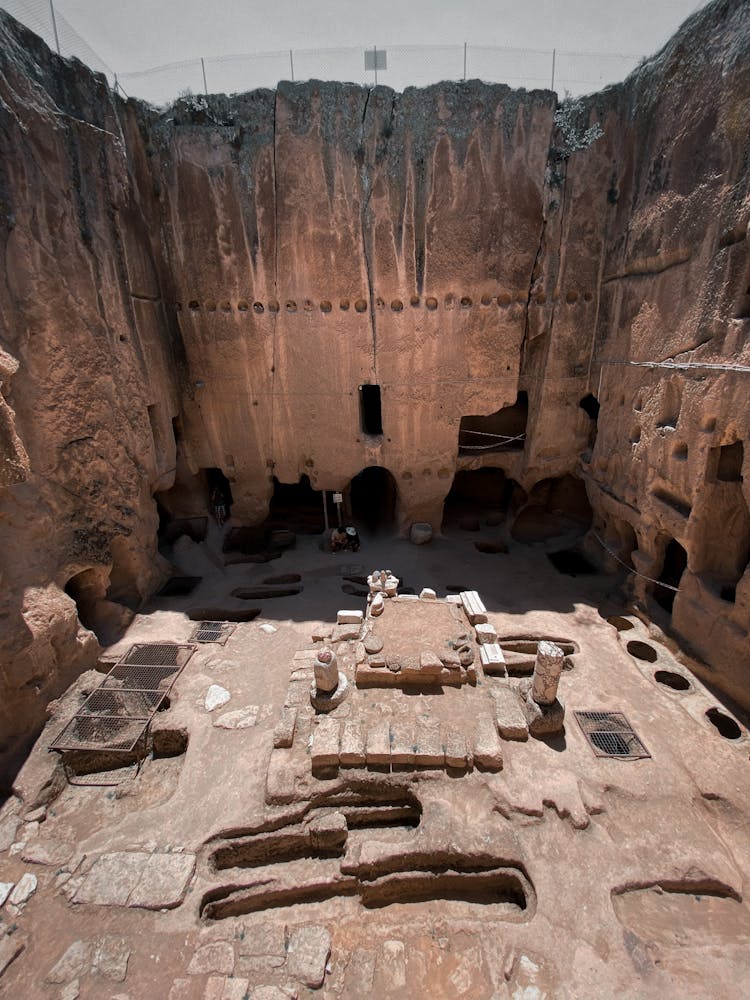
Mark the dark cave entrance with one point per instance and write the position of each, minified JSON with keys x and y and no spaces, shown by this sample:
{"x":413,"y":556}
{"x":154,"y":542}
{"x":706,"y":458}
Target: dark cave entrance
{"x":556,"y":507}
{"x":298,"y":507}
{"x":504,"y":430}
{"x":590,"y":406}
{"x":674,"y":565}
{"x":219,"y":491}
{"x":372,"y":500}
{"x":481,"y":495}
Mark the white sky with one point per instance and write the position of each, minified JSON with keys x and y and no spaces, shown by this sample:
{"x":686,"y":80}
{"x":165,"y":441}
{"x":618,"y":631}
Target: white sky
{"x":134,"y":35}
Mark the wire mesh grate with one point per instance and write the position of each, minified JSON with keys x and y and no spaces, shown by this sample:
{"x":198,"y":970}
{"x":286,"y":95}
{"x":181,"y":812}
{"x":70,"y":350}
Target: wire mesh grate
{"x":158,"y":654}
{"x":610,"y":735}
{"x":212,"y":632}
{"x":116,"y":715}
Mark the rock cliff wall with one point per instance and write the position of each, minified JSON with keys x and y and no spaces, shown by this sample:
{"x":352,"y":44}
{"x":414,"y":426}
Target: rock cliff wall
{"x":206,"y":288}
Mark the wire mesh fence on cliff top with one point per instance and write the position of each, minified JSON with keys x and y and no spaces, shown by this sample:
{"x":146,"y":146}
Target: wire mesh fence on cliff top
{"x":397,"y":66}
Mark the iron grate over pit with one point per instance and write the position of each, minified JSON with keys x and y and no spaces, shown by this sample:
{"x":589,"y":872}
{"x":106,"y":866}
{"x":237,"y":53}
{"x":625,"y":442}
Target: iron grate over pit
{"x":212,"y":632}
{"x":610,"y":735}
{"x":117,"y":714}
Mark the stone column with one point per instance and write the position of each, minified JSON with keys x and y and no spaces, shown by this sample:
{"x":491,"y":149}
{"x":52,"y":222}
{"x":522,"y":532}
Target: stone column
{"x":326,"y":671}
{"x":547,"y":670}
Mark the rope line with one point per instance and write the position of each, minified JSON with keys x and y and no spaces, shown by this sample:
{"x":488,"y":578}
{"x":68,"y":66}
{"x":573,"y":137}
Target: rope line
{"x":659,"y":583}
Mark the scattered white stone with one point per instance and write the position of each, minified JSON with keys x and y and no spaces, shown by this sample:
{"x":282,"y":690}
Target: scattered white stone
{"x":349,"y":618}
{"x":5,"y":888}
{"x":241,"y":718}
{"x":17,"y":847}
{"x":268,"y":628}
{"x":427,"y":594}
{"x":216,"y":696}
{"x":24,"y":890}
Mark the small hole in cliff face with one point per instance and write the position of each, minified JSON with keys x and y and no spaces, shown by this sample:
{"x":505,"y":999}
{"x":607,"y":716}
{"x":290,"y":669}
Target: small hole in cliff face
{"x":726,"y":725}
{"x":672,"y":680}
{"x":571,"y":297}
{"x":642,"y":651}
{"x":193,"y":304}
{"x":344,"y":305}
{"x":291,"y":306}
{"x":397,"y":305}
{"x":360,"y":306}
{"x":449,"y":301}
{"x":620,"y":623}
{"x":178,"y":307}
{"x":414,"y":301}
{"x":431,"y":303}
{"x":211,"y":306}
{"x":325,"y":306}
{"x":226,"y":306}
{"x":258,"y":307}
{"x":504,"y":299}
{"x":466,"y":302}
{"x":486,"y":300}
{"x":588,"y":297}
{"x":242,"y":306}
{"x":308,"y":306}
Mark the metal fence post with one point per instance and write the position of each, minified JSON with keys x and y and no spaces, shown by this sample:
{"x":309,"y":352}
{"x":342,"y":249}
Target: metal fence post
{"x":205,"y":85}
{"x":291,"y":64}
{"x":553,"y":69}
{"x":464,"y":62}
{"x":375,"y":62}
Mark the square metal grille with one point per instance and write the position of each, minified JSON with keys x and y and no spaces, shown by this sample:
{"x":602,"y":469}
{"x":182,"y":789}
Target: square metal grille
{"x":610,"y":735}
{"x":118,"y":713}
{"x":212,"y":632}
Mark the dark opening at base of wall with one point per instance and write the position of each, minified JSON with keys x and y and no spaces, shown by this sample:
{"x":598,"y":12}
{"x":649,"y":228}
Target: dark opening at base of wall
{"x":504,"y":430}
{"x":674,"y":565}
{"x":556,"y":507}
{"x":297,"y":507}
{"x":372,"y":500}
{"x":481,"y":495}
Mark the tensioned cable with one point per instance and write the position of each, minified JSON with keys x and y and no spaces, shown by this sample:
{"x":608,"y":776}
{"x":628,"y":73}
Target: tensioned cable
{"x":659,"y":583}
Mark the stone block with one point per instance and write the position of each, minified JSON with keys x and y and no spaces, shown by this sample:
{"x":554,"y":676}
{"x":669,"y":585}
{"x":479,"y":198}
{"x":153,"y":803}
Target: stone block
{"x":456,"y":751}
{"x":427,"y":594}
{"x":308,"y":952}
{"x":492,"y":658}
{"x":325,"y":743}
{"x":280,"y":778}
{"x":328,"y":832}
{"x":486,"y":744}
{"x":283,"y":734}
{"x":321,"y":633}
{"x":163,"y":882}
{"x":343,"y":633}
{"x":352,"y":749}
{"x":378,"y":743}
{"x":402,"y":744}
{"x":349,"y":618}
{"x":430,"y":663}
{"x":486,"y":633}
{"x":509,"y":713}
{"x":473,"y":606}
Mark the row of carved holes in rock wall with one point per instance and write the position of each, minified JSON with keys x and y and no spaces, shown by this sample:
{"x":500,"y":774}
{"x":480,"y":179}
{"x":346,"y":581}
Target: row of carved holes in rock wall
{"x":360,"y":305}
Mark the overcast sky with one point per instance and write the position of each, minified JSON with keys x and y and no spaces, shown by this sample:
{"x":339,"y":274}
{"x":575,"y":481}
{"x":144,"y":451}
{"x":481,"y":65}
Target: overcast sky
{"x":133,"y":35}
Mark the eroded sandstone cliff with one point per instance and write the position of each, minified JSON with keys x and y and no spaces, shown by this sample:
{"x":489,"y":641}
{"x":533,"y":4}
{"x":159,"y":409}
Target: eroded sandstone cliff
{"x":203,"y":291}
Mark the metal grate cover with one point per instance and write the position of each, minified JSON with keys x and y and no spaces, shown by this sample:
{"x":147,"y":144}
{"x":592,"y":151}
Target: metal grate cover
{"x":611,"y":735}
{"x":116,"y":715}
{"x":212,"y":632}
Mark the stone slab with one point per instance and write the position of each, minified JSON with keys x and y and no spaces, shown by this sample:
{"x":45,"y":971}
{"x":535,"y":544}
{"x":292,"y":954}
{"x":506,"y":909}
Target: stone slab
{"x":486,"y":633}
{"x":352,"y":749}
{"x":349,"y":617}
{"x":325,"y":742}
{"x":509,"y":713}
{"x":283,"y":734}
{"x":308,"y":951}
{"x":456,"y":750}
{"x":429,"y":745}
{"x":487,"y":751}
{"x":343,"y":633}
{"x":402,"y":744}
{"x":378,"y":743}
{"x":164,"y":881}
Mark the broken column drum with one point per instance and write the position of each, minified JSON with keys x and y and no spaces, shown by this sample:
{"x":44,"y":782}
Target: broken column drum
{"x":547,"y":670}
{"x":329,"y":686}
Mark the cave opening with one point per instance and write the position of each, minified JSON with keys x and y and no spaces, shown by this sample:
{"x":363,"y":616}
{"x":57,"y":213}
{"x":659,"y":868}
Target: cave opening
{"x":370,"y":412}
{"x":481,"y":495}
{"x":219,"y":490}
{"x":556,"y":507}
{"x":504,"y":430}
{"x":297,"y":507}
{"x":590,"y":406}
{"x":372,"y":500}
{"x":729,"y":467}
{"x":95,"y":612}
{"x":674,"y":565}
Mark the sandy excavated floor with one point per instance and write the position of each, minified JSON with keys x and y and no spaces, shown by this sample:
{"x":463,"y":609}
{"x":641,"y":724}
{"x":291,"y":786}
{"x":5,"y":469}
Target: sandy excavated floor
{"x":561,"y":875}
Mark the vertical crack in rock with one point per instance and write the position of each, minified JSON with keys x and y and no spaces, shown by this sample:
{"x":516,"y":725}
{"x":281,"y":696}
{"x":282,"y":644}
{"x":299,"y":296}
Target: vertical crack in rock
{"x":538,"y":254}
{"x":275,"y":271}
{"x":367,"y":191}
